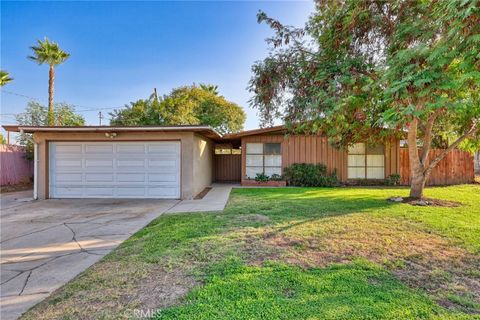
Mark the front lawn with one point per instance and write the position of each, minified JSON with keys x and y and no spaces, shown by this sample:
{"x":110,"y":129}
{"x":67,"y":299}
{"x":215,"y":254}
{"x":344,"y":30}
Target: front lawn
{"x":292,"y":253}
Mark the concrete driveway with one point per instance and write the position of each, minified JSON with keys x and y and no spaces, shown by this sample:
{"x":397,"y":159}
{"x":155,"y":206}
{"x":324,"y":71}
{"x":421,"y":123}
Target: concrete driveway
{"x":44,"y":244}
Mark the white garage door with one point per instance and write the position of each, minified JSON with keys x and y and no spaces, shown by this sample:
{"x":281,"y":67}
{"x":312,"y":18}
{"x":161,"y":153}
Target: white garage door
{"x":115,"y":169}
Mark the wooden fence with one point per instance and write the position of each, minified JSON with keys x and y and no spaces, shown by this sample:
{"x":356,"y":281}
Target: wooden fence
{"x":456,"y":168}
{"x":14,"y":168}
{"x":228,"y":167}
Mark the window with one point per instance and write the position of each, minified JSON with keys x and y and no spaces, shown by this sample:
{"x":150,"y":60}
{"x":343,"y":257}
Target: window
{"x":366,"y":162}
{"x":263,"y":158}
{"x":227,"y":151}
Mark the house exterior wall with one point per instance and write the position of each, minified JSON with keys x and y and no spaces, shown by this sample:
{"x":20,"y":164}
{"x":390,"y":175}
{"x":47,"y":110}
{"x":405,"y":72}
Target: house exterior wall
{"x":187,"y":156}
{"x":203,"y":162}
{"x":316,"y":149}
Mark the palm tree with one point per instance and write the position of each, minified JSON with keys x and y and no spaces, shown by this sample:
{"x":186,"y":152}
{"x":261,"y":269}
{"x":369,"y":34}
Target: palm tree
{"x":50,"y":53}
{"x":4,"y":78}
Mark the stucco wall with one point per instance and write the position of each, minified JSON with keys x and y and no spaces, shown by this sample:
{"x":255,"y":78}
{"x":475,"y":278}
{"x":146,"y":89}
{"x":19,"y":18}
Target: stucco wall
{"x":187,"y":154}
{"x":202,"y":163}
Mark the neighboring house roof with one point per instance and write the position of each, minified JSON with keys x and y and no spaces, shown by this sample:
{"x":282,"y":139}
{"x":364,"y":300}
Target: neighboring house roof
{"x":207,"y":131}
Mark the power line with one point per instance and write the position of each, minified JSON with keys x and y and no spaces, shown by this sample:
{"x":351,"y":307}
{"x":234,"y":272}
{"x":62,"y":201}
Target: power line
{"x":20,"y":95}
{"x":74,"y":105}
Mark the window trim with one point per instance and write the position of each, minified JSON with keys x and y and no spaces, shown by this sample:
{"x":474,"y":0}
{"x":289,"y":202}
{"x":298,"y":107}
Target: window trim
{"x":263,"y":154}
{"x":366,"y":166}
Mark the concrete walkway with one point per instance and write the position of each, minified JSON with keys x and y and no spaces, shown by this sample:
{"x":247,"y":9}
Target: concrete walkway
{"x":215,"y":200}
{"x":45,"y":244}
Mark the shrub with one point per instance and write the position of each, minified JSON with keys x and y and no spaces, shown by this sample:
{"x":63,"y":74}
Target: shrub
{"x":276,"y":177}
{"x":261,"y":177}
{"x":393,"y":179}
{"x":310,"y":175}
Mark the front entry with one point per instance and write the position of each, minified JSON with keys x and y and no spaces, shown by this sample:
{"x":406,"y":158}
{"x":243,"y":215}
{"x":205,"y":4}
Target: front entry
{"x":228,"y":167}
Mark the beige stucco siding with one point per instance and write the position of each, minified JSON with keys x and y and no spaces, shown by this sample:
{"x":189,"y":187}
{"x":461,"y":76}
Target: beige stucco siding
{"x":202,"y":163}
{"x":189,"y":186}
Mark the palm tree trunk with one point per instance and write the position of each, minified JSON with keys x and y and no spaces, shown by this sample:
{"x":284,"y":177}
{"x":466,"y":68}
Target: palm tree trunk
{"x":51,"y":79}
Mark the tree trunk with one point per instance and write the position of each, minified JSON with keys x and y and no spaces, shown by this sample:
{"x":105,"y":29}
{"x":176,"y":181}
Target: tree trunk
{"x":418,"y":184}
{"x":51,"y":79}
{"x":416,"y":166}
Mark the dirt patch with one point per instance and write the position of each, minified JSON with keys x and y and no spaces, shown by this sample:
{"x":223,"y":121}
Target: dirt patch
{"x":160,"y":289}
{"x":253,"y":218}
{"x":16,"y":187}
{"x":203,"y":193}
{"x":426,"y":202}
{"x":418,"y":258}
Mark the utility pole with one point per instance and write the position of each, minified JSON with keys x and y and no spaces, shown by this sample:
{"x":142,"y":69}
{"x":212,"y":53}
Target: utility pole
{"x":100,"y":117}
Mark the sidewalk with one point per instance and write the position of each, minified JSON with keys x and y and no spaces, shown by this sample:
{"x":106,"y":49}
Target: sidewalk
{"x":215,"y":200}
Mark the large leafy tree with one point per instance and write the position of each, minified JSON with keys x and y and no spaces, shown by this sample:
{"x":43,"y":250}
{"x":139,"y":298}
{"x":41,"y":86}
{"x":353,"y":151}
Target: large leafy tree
{"x":36,"y":114}
{"x":4,"y":78}
{"x":187,"y":105}
{"x":48,"y":52}
{"x":360,"y":67}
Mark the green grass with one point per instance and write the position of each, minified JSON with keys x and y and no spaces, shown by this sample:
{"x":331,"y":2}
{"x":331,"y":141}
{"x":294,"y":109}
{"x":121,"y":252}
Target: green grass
{"x":283,"y":253}
{"x":277,"y":291}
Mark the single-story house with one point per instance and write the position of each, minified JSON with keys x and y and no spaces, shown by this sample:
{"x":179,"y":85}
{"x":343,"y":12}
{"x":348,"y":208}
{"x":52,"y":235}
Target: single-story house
{"x":178,"y":162}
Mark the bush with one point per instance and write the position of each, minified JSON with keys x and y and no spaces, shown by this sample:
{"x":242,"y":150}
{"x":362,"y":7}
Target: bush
{"x":393,"y":179}
{"x":276,"y":177}
{"x":310,"y":175}
{"x":261,"y":177}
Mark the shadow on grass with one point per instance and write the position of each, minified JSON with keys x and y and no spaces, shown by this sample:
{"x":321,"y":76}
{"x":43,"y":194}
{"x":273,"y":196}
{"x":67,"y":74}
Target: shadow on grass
{"x":320,"y":225}
{"x":358,"y":290}
{"x":309,"y":227}
{"x":282,"y":208}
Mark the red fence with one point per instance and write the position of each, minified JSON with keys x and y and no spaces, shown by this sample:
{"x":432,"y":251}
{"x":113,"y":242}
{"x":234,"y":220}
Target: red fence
{"x":455,"y":168}
{"x":14,"y":168}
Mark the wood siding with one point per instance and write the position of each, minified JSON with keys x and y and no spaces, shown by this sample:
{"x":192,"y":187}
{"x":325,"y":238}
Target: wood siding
{"x":228,"y":167}
{"x":316,"y":149}
{"x":456,"y":168}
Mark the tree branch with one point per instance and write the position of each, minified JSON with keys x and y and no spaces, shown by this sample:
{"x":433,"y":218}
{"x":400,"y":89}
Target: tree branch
{"x":427,"y":137}
{"x":473,"y":129}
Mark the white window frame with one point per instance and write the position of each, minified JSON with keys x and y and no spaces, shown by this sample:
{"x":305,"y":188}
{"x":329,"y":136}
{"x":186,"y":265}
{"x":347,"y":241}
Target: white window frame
{"x":256,"y":152}
{"x":363,"y":146}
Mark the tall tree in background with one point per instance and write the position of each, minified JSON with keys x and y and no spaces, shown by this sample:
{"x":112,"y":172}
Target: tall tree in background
{"x":36,"y":114}
{"x":361,"y":66}
{"x":4,"y":78}
{"x":50,"y":53}
{"x":187,"y":105}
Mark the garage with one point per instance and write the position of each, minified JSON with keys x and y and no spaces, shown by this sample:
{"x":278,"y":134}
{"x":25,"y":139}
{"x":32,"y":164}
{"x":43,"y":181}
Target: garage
{"x":139,"y":169}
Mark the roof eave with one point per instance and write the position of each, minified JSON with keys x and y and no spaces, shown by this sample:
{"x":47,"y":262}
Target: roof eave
{"x":206,"y":130}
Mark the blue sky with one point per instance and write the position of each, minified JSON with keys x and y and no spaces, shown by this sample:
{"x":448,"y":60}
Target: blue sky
{"x":120,"y":51}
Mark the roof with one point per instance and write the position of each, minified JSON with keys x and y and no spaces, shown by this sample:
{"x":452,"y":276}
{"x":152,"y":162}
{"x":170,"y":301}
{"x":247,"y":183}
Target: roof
{"x":204,"y":130}
{"x":240,"y":134}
